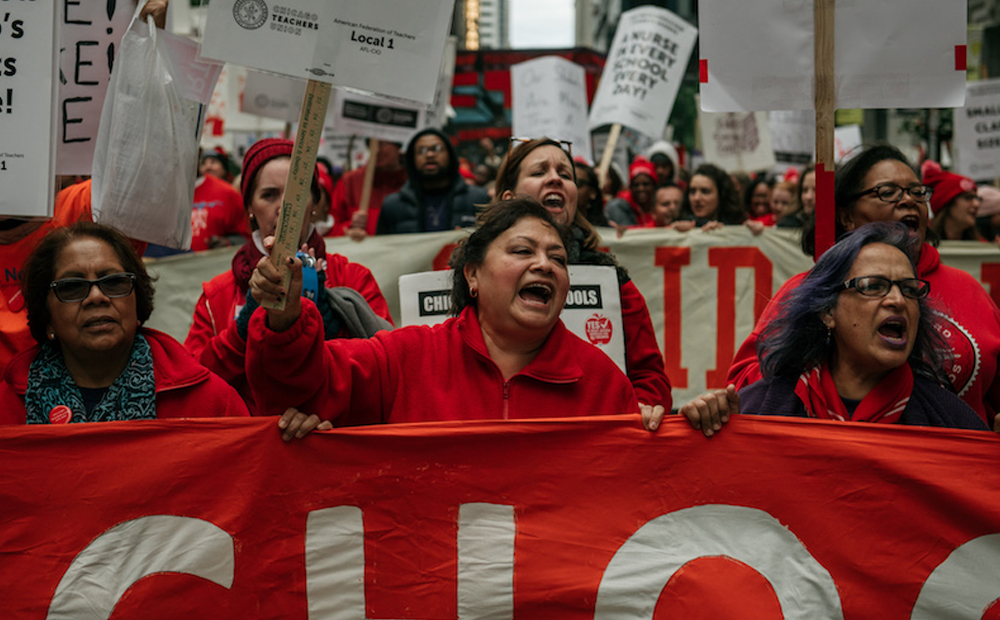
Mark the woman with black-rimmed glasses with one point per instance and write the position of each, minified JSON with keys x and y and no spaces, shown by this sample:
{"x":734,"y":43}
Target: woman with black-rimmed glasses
{"x":880,"y":185}
{"x":855,"y":341}
{"x":87,"y":294}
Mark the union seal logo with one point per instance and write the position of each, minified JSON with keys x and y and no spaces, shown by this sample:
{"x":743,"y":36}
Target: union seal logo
{"x":250,"y":14}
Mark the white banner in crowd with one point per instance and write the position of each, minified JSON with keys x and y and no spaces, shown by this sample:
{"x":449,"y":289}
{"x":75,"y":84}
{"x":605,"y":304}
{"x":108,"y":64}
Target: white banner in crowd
{"x":703,"y":290}
{"x":793,"y":136}
{"x":374,"y":117}
{"x":27,"y":108}
{"x":759,"y":55}
{"x":549,"y":98}
{"x":644,"y":70}
{"x":90,"y":32}
{"x":737,"y":140}
{"x":273,"y":96}
{"x":380,"y":46}
{"x":593,"y":309}
{"x":977,"y":131}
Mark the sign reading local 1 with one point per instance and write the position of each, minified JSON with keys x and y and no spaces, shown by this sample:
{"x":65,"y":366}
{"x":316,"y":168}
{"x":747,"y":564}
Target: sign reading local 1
{"x":380,"y":46}
{"x":593,"y":309}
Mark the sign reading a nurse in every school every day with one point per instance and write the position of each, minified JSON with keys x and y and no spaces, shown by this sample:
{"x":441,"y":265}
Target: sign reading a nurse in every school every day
{"x":378,"y":46}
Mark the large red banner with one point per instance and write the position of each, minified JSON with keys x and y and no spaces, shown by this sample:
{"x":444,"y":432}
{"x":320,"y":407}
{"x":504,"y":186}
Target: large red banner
{"x":589,"y":518}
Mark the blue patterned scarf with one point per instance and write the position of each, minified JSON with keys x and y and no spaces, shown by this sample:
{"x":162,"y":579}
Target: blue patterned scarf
{"x":51,"y":389}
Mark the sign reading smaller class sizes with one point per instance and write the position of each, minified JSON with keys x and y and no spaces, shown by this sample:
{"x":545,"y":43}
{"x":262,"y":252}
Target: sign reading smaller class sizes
{"x":378,"y":46}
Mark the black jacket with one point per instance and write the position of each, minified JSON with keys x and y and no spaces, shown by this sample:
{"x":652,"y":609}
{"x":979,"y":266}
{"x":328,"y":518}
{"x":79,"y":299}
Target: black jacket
{"x":406,"y":211}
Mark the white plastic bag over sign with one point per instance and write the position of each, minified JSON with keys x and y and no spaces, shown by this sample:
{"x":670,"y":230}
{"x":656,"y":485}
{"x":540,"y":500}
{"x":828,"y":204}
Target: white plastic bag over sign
{"x":146,"y":156}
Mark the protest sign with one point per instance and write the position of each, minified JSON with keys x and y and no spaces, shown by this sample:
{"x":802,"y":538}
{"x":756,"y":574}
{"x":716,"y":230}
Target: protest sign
{"x":759,"y":55}
{"x":549,"y":98}
{"x":374,"y":117}
{"x":737,"y":140}
{"x":593,"y":309}
{"x":90,"y":33}
{"x":274,"y":96}
{"x":644,"y":70}
{"x":793,"y":136}
{"x":377,"y":46}
{"x":977,"y":132}
{"x":584,"y":519}
{"x":27,"y":108}
{"x":846,"y":142}
{"x":439,"y":111}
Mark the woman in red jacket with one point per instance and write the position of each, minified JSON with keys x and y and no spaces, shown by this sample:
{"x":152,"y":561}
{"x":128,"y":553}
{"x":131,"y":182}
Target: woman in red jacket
{"x":218,"y":334}
{"x":543,"y":170}
{"x":505,"y":356}
{"x":87,"y":294}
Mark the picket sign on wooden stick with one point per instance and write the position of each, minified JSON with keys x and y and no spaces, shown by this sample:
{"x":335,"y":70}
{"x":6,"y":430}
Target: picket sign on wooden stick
{"x":366,"y":189}
{"x":299,"y":183}
{"x":609,"y":152}
{"x":825,"y":111}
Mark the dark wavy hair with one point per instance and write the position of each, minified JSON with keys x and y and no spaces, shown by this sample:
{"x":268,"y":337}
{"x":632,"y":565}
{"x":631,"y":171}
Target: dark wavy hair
{"x":730,"y":210}
{"x":510,"y":170}
{"x":796,"y":340}
{"x":40,"y":267}
{"x":492,"y":223}
{"x":761,"y":178}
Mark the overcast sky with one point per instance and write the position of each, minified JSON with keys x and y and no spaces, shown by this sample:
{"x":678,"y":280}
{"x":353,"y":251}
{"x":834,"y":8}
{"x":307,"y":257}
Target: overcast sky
{"x":541,"y":23}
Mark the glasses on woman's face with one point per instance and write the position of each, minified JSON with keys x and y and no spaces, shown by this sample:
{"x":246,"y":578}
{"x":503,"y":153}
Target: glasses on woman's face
{"x":879,"y":286}
{"x":69,"y":290}
{"x":893,"y":193}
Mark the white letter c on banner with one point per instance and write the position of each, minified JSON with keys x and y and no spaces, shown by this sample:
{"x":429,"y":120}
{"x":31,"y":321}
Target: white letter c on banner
{"x":964,"y":585}
{"x":129,"y":551}
{"x":643,"y":565}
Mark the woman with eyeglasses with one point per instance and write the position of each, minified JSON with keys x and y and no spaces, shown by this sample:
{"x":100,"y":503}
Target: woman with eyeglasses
{"x":87,"y":294}
{"x":855,"y":341}
{"x":543,"y":169}
{"x":880,"y":185}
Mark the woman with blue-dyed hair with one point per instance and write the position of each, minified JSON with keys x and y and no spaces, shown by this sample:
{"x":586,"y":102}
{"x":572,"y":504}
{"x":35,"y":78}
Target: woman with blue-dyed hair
{"x":855,"y":341}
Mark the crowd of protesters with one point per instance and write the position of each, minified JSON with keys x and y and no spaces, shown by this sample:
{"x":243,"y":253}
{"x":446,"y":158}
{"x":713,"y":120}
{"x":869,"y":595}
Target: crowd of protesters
{"x":73,"y":322}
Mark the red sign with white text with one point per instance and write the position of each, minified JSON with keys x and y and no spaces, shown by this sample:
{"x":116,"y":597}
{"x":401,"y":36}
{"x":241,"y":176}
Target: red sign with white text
{"x":584,"y":519}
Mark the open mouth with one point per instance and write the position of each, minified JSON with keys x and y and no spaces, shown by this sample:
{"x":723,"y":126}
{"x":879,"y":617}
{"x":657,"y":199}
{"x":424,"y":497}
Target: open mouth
{"x":536,"y":293}
{"x":893,"y":331}
{"x":554,"y":202}
{"x":912,"y":222}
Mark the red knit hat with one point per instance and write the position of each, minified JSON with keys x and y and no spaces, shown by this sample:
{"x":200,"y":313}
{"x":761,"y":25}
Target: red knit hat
{"x":261,"y":152}
{"x":641,"y":165}
{"x":946,"y":185}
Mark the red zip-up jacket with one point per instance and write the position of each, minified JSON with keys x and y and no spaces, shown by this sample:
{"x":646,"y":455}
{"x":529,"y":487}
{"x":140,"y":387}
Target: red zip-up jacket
{"x":420,"y":373}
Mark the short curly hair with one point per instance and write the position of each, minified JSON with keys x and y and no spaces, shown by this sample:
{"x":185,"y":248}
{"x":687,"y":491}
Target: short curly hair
{"x":492,"y":223}
{"x":39,"y":271}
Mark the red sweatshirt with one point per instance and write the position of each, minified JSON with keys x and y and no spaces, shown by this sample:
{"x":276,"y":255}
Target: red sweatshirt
{"x":214,"y":341}
{"x":970,"y":324}
{"x":420,"y":373}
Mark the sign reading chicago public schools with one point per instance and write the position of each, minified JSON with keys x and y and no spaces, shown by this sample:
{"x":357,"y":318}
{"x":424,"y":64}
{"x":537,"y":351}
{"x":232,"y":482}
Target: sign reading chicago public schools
{"x":379,"y":46}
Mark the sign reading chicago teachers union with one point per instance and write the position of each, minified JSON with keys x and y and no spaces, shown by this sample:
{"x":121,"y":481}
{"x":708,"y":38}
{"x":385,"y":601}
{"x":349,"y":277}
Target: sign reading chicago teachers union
{"x":380,"y":46}
{"x":644,"y":70}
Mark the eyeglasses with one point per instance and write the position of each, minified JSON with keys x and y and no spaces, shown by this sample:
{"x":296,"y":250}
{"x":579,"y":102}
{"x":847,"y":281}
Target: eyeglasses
{"x":879,"y":286}
{"x":894,"y":193}
{"x":565,"y":145}
{"x":69,"y":290}
{"x":434,"y":148}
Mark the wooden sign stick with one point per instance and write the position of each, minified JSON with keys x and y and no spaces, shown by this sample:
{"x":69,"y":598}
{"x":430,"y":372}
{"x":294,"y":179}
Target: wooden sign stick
{"x":825,"y":102}
{"x":366,"y":188}
{"x":299,"y":183}
{"x":609,"y":151}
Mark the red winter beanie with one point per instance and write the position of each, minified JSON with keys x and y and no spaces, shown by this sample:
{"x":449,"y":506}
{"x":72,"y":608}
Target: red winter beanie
{"x":257,"y":155}
{"x":641,"y":165}
{"x":946,"y":185}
